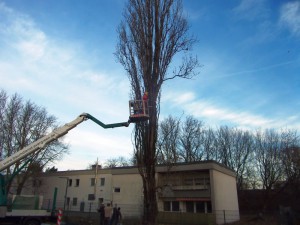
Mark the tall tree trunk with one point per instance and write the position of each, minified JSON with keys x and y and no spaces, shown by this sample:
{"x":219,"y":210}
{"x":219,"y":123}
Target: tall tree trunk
{"x":152,"y":33}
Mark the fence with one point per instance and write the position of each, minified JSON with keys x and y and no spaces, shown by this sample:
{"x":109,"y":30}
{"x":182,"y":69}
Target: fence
{"x":132,"y":215}
{"x":90,"y":207}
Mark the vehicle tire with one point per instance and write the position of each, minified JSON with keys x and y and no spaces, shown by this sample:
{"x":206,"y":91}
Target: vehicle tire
{"x":32,"y":222}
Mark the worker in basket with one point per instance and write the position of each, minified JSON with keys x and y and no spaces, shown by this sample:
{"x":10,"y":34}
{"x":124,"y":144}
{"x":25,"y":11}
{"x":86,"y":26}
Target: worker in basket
{"x":139,"y":109}
{"x":145,"y":102}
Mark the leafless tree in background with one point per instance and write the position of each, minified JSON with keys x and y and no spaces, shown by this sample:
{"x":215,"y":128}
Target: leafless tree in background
{"x":151,"y":34}
{"x":242,"y":150}
{"x":209,"y":144}
{"x":191,"y":140}
{"x":21,"y":124}
{"x":224,"y":141}
{"x":3,"y":99}
{"x":268,"y":160}
{"x":290,"y":155}
{"x":117,"y":162}
{"x":167,"y":145}
{"x":268,"y":157}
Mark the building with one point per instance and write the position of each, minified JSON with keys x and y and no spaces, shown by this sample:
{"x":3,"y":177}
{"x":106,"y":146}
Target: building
{"x":205,"y":187}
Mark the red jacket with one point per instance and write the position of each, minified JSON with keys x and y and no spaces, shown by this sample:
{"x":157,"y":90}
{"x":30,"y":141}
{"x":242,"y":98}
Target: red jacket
{"x":145,"y":97}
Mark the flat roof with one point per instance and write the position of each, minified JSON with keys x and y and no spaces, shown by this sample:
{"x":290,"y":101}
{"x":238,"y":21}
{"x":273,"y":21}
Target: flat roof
{"x":175,"y":167}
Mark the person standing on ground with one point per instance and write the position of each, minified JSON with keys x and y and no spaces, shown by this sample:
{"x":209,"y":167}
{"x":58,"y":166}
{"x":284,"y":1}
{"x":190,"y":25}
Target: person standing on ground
{"x":118,"y":217}
{"x":107,"y":212}
{"x":113,"y":218}
{"x":101,"y":211}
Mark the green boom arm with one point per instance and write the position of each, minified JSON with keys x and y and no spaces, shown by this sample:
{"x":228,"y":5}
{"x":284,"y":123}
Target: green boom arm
{"x":105,"y":126}
{"x":57,"y":133}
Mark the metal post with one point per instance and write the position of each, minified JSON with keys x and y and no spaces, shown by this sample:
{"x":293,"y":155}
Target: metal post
{"x":66,"y":191}
{"x":54,"y":200}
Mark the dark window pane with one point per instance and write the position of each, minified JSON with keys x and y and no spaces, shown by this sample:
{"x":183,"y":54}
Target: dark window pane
{"x":200,"y":207}
{"x":91,"y":197}
{"x":175,"y":206}
{"x":92,"y":181}
{"x":190,"y":207}
{"x":188,"y":181}
{"x":208,"y":205}
{"x":74,"y":201}
{"x":102,"y":181}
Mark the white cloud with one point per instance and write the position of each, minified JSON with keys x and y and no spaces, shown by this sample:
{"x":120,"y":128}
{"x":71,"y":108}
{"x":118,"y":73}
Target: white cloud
{"x":290,"y":16}
{"x":214,"y":114}
{"x":251,"y":9}
{"x":179,"y":98}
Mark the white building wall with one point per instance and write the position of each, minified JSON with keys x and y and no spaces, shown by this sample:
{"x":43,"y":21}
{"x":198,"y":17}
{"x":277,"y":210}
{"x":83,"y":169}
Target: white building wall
{"x":131,"y":191}
{"x":81,"y":192}
{"x":224,"y":197}
{"x":130,"y":198}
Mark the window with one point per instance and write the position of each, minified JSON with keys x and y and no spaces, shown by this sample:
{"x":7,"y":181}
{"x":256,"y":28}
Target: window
{"x":68,"y":201}
{"x":198,"y":181}
{"x":189,"y":207}
{"x":93,"y":182}
{"x":100,"y":200}
{"x":74,"y":202}
{"x":77,"y":183}
{"x":200,"y":207}
{"x":204,"y":182}
{"x":188,"y":181}
{"x":70,"y":182}
{"x":91,"y":197}
{"x":102,"y":181}
{"x":207,"y":181}
{"x":171,"y":206}
{"x":175,"y":206}
{"x":117,"y":189}
{"x":208,"y":204}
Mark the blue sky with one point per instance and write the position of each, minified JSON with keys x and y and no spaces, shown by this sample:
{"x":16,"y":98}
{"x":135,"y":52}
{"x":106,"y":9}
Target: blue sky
{"x":59,"y":54}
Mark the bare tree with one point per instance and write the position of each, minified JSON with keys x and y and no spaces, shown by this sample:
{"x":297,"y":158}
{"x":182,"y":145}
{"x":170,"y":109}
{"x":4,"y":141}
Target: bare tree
{"x":21,"y":124}
{"x":223,"y":145}
{"x":268,"y":161}
{"x":151,"y":34}
{"x":191,"y":140}
{"x":241,"y":155}
{"x":268,"y":157}
{"x":3,"y":100}
{"x":117,"y":162}
{"x":209,"y":144}
{"x":290,"y":146}
{"x":234,"y":149}
{"x":167,"y":145}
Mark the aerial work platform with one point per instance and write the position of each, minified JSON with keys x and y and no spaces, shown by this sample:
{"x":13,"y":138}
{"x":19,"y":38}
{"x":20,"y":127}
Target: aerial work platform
{"x":138,"y":110}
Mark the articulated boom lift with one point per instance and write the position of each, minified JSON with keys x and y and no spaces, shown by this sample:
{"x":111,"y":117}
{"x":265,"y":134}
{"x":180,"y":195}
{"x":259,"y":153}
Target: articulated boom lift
{"x":41,"y":143}
{"x":138,"y":111}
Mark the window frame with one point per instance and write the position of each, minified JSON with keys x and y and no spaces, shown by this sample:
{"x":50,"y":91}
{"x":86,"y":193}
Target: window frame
{"x":77,"y":182}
